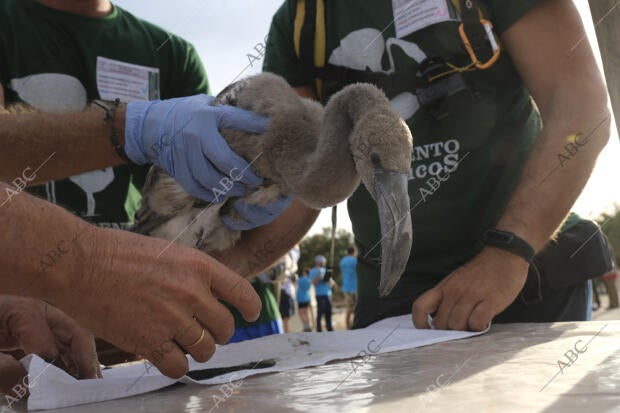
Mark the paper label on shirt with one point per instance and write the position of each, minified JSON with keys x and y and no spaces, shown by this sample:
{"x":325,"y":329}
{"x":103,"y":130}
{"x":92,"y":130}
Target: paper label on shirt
{"x":413,"y":15}
{"x":126,"y":81}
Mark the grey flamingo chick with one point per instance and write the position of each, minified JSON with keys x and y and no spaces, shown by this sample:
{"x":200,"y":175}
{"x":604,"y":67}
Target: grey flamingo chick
{"x":316,"y":155}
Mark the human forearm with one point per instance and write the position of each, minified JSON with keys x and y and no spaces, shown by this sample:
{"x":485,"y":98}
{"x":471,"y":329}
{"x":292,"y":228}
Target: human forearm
{"x":261,"y":247}
{"x":571,"y":95}
{"x":554,"y":177}
{"x":139,"y":293}
{"x":37,"y":237}
{"x":40,"y":147}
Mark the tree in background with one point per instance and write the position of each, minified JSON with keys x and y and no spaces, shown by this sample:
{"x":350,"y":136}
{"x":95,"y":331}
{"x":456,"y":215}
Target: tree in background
{"x":314,"y":245}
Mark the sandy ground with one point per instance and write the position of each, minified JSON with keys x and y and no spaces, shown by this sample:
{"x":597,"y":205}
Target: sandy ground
{"x":338,"y":321}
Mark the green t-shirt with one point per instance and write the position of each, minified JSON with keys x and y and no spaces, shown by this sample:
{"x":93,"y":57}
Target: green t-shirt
{"x":57,"y":62}
{"x":269,"y":311}
{"x":483,"y":148}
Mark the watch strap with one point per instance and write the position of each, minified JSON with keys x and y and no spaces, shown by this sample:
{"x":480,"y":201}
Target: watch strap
{"x":510,"y":242}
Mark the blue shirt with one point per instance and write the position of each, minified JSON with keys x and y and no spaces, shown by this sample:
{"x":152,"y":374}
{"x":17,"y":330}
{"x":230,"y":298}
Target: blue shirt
{"x":303,"y":289}
{"x":320,"y":289}
{"x":349,"y":276}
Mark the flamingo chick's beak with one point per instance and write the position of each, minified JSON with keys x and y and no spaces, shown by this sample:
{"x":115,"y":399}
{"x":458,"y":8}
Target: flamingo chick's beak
{"x":392,"y":200}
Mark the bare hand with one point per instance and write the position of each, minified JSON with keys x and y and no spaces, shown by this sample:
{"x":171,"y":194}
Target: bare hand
{"x":38,"y":328}
{"x":153,"y":298}
{"x":473,"y":294}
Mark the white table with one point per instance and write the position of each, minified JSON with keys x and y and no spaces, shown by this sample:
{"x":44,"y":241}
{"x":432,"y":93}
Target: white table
{"x":513,"y":368}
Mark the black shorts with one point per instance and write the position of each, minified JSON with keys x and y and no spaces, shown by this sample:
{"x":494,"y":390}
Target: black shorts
{"x":303,"y":305}
{"x":287,"y":305}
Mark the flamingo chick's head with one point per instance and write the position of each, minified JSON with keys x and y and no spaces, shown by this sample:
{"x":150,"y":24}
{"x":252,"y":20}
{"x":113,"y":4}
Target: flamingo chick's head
{"x":382,"y":145}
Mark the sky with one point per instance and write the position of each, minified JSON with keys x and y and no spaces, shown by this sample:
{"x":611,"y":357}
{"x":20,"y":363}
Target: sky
{"x":224,"y":32}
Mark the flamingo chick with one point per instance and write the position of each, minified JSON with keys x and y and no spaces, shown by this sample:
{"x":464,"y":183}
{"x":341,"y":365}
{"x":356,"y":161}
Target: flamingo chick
{"x":316,"y":155}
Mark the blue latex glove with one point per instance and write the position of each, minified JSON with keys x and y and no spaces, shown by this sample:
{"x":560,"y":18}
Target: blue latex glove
{"x":256,"y":215}
{"x":182,"y":137}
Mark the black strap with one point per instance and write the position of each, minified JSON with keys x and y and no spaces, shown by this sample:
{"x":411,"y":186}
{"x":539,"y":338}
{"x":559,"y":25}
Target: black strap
{"x":306,"y":41}
{"x":337,"y":77}
{"x":510,"y":242}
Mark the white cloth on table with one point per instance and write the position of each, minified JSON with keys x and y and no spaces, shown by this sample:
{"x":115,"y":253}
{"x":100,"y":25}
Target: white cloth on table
{"x":50,"y":387}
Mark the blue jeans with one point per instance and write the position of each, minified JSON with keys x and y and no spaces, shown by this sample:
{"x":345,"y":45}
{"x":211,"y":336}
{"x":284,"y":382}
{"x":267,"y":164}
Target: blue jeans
{"x":324,"y":307}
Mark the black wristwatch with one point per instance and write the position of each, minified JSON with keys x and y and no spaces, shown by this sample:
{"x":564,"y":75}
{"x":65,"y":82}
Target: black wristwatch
{"x":510,"y":242}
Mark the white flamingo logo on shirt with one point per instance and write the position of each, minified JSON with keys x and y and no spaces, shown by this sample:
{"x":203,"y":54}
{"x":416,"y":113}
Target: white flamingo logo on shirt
{"x":92,"y":183}
{"x":364,"y":49}
{"x":60,"y":93}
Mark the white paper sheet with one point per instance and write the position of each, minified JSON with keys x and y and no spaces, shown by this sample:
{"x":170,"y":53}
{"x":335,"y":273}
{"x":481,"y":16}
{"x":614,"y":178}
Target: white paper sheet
{"x":52,"y":388}
{"x":413,"y":15}
{"x":126,"y":81}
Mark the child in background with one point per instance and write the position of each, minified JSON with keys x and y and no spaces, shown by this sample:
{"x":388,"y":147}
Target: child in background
{"x":303,"y":298}
{"x":287,"y":300}
{"x":287,"y":288}
{"x":323,"y":291}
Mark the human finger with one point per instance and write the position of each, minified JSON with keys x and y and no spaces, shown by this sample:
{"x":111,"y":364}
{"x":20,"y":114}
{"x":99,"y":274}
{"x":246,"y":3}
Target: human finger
{"x":262,"y":214}
{"x":235,"y":290}
{"x":198,"y":342}
{"x":171,"y":362}
{"x":204,"y":173}
{"x":80,"y":356}
{"x":481,"y":316}
{"x":243,"y":120}
{"x":217,"y":319}
{"x":426,"y":304}
{"x":459,"y":314}
{"x":215,"y":148}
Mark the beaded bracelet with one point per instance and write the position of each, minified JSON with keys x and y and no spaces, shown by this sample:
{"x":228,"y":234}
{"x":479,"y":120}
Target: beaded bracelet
{"x":110,"y":115}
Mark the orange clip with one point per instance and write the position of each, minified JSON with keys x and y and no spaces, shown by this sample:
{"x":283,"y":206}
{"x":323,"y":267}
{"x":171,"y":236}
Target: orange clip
{"x":488,"y":26}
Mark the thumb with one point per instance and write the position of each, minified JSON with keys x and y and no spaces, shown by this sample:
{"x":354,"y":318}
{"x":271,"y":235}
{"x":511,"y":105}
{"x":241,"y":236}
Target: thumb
{"x":426,"y":304}
{"x":242,"y":120}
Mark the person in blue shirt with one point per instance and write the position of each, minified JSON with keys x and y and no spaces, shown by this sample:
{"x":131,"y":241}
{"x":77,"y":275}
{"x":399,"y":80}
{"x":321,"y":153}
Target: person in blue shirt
{"x":323,"y":291}
{"x":303,"y":298}
{"x":349,"y":283}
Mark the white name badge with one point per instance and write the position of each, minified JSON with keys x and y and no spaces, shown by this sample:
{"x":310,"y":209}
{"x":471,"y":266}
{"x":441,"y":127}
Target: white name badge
{"x":126,"y":81}
{"x":413,"y":15}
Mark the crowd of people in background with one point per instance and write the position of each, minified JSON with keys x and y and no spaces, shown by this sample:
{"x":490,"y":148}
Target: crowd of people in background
{"x":294,"y":291}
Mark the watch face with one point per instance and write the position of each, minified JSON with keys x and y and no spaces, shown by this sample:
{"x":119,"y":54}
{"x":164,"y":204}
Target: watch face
{"x":509,"y":242}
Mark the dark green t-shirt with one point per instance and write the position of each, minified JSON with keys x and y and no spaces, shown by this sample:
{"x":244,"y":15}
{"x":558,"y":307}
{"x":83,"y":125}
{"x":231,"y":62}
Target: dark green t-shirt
{"x":482,"y":148}
{"x":57,"y":62}
{"x":269,"y":311}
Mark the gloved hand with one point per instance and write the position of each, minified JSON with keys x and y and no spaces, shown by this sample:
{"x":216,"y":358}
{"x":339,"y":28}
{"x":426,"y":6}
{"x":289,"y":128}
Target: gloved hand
{"x":256,"y":215}
{"x":182,"y":137}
